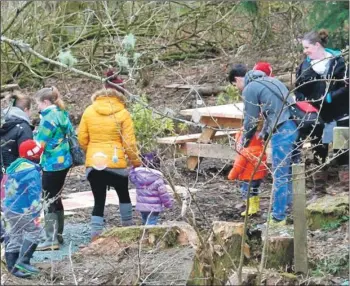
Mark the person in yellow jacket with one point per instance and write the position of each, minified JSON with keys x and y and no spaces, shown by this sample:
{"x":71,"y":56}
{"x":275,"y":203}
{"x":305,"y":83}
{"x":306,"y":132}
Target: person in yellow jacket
{"x":106,"y":133}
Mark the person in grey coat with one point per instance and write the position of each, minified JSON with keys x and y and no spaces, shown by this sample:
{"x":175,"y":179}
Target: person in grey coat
{"x":269,"y":97}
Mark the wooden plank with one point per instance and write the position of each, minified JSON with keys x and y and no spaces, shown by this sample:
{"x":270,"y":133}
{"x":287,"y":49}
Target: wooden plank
{"x":221,"y":122}
{"x":218,"y":151}
{"x":341,"y":138}
{"x":223,"y":111}
{"x":192,"y":137}
{"x":299,"y":217}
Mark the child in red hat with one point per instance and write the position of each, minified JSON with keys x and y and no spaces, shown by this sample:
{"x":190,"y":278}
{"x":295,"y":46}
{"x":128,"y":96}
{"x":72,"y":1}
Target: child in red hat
{"x":22,"y":206}
{"x":264,"y":67}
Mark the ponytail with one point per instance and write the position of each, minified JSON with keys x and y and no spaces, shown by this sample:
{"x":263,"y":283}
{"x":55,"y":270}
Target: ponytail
{"x":51,"y":94}
{"x":20,"y":100}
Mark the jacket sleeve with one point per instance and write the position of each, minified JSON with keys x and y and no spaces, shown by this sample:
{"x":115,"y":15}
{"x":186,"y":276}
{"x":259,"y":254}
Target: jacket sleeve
{"x":342,"y":73}
{"x":251,"y":113}
{"x":165,"y":196}
{"x":34,"y":193}
{"x":129,"y":140}
{"x":238,"y":167}
{"x":45,"y":132}
{"x":83,"y":133}
{"x":24,"y":134}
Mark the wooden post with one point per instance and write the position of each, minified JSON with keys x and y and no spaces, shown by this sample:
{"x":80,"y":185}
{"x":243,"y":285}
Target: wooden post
{"x":299,"y":217}
{"x":341,"y":138}
{"x":206,"y":136}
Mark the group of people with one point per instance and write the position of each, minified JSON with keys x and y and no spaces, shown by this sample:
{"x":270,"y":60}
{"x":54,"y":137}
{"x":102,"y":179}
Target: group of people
{"x":322,"y":80}
{"x":34,"y":165}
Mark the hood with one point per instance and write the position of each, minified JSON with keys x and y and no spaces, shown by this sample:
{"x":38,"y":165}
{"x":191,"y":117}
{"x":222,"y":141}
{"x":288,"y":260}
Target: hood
{"x":253,"y":75}
{"x":11,"y":123}
{"x":15,"y":113}
{"x":107,"y":105}
{"x":254,"y":142}
{"x":334,"y":53}
{"x":144,"y":176}
{"x":21,"y":164}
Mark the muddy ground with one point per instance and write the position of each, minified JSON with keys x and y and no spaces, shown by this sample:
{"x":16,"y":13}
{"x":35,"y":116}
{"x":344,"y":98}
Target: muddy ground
{"x":218,"y":199}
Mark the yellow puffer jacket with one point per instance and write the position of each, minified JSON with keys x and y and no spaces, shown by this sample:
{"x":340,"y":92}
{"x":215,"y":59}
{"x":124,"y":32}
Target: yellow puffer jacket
{"x":106,"y":127}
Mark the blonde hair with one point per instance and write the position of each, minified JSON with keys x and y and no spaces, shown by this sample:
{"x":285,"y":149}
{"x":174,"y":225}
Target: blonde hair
{"x":51,"y":94}
{"x":20,"y":100}
{"x":260,"y":124}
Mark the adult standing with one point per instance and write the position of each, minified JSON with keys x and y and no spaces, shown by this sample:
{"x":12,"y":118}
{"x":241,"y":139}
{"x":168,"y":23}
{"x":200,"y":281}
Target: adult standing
{"x":15,"y":130}
{"x":323,"y":80}
{"x":269,"y":96}
{"x":56,"y":160}
{"x":106,"y":133}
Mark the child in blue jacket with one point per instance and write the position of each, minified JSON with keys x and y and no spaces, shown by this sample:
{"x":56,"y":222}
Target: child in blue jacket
{"x":21,"y":207}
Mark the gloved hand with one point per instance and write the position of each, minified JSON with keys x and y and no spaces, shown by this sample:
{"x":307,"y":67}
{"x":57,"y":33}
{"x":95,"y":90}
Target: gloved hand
{"x":328,"y":98}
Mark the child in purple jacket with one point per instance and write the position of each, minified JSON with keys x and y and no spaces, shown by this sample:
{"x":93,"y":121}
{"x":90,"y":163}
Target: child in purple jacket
{"x":151,"y":194}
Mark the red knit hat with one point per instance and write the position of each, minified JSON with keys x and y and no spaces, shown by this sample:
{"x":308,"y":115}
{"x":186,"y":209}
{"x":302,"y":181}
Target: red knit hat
{"x":115,"y":79}
{"x":30,"y":150}
{"x":264,"y":67}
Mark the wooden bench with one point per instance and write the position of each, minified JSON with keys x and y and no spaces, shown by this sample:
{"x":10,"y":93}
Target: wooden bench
{"x":181,"y":139}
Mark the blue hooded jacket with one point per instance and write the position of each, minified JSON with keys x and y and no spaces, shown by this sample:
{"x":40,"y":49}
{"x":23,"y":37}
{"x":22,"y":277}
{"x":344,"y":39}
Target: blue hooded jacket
{"x":23,"y":187}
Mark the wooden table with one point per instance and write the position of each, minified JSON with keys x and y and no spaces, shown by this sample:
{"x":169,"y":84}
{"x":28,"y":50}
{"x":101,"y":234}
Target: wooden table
{"x":222,"y":116}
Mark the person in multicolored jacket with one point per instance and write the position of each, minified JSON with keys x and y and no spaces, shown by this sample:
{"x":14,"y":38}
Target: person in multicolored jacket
{"x":151,"y":194}
{"x":22,"y":185}
{"x":56,"y":160}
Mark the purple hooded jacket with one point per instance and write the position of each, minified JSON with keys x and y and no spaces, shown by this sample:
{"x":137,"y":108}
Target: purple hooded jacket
{"x":151,"y":192}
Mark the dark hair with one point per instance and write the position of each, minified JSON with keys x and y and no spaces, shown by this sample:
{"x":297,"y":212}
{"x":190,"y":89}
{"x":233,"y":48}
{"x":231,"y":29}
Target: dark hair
{"x":238,"y":70}
{"x":314,"y":37}
{"x":20,"y":100}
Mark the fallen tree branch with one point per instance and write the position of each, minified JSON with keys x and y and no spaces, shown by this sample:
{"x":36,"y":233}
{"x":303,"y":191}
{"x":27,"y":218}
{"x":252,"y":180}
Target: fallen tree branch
{"x":201,"y":90}
{"x":8,"y":87}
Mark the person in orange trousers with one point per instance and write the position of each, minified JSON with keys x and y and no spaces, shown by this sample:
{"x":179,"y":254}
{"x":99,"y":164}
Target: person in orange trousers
{"x":243,"y":168}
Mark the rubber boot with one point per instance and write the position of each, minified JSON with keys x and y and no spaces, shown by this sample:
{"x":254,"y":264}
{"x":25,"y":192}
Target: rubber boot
{"x":51,"y":225}
{"x":11,"y":258}
{"x":60,"y":216}
{"x":126,"y":214}
{"x":97,"y":224}
{"x":26,"y":253}
{"x":254,"y":206}
{"x":320,"y":180}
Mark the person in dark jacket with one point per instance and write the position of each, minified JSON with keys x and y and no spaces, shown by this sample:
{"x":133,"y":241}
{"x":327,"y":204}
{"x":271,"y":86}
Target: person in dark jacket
{"x":269,"y":96}
{"x":15,"y":129}
{"x":321,"y":67}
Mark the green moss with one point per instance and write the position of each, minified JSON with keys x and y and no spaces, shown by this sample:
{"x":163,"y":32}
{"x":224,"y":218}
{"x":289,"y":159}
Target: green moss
{"x":168,"y":237}
{"x":125,"y":234}
{"x":327,"y":210}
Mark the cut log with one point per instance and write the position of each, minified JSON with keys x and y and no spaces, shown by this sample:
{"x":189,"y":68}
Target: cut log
{"x":280,"y":251}
{"x":327,"y":210}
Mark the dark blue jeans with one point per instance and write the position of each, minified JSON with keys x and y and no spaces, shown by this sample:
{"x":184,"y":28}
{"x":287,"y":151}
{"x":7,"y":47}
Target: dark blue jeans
{"x":254,"y":188}
{"x":282,"y":148}
{"x":149,"y":218}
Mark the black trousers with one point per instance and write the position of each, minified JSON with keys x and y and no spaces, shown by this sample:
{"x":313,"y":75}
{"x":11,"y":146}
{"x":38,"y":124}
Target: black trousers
{"x":99,"y":181}
{"x":320,"y":150}
{"x":52,"y":185}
